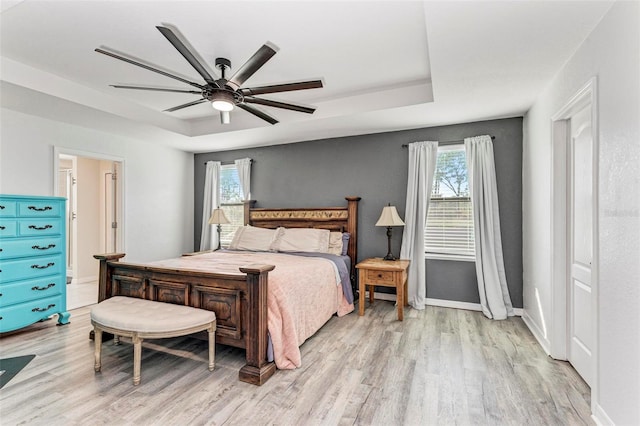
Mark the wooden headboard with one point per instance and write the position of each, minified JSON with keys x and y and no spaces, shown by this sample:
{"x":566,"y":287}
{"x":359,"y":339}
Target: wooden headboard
{"x":339,"y":219}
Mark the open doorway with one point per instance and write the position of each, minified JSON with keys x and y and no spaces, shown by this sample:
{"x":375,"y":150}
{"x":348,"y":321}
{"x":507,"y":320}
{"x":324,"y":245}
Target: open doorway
{"x":93,"y":187}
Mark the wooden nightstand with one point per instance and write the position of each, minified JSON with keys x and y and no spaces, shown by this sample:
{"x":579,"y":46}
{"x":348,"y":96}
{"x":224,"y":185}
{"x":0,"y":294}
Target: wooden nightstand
{"x":384,"y":273}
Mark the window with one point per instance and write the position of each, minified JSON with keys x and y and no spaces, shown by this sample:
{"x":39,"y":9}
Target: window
{"x":231,"y":202}
{"x":449,"y":228}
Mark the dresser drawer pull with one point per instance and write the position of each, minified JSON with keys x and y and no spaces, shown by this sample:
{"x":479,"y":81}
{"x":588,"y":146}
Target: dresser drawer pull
{"x":379,"y":275}
{"x":50,"y":246}
{"x":40,"y":228}
{"x":48,"y":265}
{"x":44,"y":209}
{"x":42,"y":288}
{"x":43,"y":309}
{"x":1,"y":207}
{"x":2,"y":228}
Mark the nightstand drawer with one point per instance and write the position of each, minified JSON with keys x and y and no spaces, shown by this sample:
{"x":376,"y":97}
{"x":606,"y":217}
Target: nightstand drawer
{"x":380,"y":277}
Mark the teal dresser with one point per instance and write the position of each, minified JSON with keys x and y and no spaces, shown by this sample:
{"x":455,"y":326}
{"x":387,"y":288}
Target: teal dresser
{"x":33,"y":278}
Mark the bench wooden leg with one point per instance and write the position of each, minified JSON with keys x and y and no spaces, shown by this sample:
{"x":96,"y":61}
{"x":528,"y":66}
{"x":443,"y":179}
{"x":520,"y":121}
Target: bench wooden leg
{"x":212,"y":346}
{"x":97,"y":348}
{"x":137,"y":358}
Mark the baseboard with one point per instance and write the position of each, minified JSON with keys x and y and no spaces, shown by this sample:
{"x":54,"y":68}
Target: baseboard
{"x":537,"y":333}
{"x":601,"y":418}
{"x":443,"y":303}
{"x":84,"y":280}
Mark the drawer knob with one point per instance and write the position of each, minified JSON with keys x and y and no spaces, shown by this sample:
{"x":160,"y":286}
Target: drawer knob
{"x":379,"y":275}
{"x":1,"y":207}
{"x":43,"y":248}
{"x":43,"y":309}
{"x":36,"y":288}
{"x":2,"y":228}
{"x":42,"y":266}
{"x":43,"y":209}
{"x":40,"y":228}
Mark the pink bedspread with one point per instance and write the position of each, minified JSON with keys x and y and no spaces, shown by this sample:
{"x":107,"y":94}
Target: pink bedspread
{"x":299,"y":303}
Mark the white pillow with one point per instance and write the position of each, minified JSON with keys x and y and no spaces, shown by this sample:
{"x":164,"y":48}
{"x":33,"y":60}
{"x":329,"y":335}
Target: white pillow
{"x":335,"y":243}
{"x":303,"y":239}
{"x":253,"y":238}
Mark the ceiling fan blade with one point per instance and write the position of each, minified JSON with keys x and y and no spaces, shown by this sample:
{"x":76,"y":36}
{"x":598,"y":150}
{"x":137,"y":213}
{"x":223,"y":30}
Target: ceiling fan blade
{"x":286,"y":87}
{"x":260,"y":114}
{"x":157,"y":89}
{"x":147,"y":67}
{"x":277,"y":104}
{"x":252,"y":65}
{"x":175,"y":108}
{"x":184,"y":51}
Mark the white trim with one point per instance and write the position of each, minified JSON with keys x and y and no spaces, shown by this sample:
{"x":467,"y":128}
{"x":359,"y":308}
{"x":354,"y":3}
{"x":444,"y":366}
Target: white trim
{"x":391,"y":297}
{"x":536,"y":331}
{"x":600,"y":417}
{"x":587,"y":95}
{"x":84,"y":280}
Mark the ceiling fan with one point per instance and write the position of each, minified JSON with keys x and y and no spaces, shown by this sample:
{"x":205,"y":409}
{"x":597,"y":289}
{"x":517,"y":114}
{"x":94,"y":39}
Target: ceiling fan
{"x":225,"y":94}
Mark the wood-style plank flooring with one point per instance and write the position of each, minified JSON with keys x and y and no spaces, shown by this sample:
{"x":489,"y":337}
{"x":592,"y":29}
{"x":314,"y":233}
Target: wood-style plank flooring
{"x":439,"y":367}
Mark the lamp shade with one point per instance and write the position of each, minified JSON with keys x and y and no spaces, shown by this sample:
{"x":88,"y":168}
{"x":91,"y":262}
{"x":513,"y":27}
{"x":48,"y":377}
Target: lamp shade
{"x":389,"y":217}
{"x":218,"y":217}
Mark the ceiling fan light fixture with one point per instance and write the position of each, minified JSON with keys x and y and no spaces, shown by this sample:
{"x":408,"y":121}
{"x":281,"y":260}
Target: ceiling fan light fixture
{"x":222,"y":101}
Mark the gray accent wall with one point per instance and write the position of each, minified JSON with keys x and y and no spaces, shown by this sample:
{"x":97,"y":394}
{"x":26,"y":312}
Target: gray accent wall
{"x":321,"y":173}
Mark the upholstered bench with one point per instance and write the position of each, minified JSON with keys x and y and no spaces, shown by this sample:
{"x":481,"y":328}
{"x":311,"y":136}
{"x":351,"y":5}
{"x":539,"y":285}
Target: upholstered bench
{"x":145,"y":319}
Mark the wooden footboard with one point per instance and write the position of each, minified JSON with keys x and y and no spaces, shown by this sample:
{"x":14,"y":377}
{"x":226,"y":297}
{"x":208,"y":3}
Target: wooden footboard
{"x":239,"y":301}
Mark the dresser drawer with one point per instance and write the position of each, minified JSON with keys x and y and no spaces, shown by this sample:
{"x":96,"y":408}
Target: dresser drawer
{"x":25,"y":291}
{"x":11,"y":270}
{"x":8,"y":208}
{"x":39,"y":209}
{"x":23,"y":314}
{"x":39,"y":227}
{"x":380,"y":277}
{"x":30,"y":247}
{"x":8,"y":228}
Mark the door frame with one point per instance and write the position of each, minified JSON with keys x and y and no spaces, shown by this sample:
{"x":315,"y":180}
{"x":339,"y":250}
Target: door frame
{"x":57,"y":151}
{"x":560,"y":139}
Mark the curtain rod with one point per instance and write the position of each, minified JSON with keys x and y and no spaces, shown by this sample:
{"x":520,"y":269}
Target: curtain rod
{"x":230,"y":162}
{"x":443,"y":143}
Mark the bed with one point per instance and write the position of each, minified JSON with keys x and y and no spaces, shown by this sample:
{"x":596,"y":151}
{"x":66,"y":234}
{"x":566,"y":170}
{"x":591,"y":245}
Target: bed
{"x":238,"y":295}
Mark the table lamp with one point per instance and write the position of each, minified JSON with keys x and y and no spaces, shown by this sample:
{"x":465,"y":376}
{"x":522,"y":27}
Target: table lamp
{"x":389,"y":218}
{"x":218,"y":218}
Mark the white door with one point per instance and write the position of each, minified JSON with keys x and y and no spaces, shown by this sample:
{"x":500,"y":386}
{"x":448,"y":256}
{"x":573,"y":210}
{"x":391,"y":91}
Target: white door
{"x":580,"y":230}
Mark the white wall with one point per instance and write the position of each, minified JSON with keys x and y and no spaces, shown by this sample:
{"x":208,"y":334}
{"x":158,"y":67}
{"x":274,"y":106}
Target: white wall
{"x":612,"y":54}
{"x":158,"y":181}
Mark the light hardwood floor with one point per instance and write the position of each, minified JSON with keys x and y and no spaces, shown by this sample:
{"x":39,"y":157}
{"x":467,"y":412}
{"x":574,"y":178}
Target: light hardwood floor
{"x":438,"y":367}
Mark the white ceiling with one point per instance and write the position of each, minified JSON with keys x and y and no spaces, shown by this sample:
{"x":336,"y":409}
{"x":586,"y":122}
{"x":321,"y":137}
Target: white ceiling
{"x":385,"y":65}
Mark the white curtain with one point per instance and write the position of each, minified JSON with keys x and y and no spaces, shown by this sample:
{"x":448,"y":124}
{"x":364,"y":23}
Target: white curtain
{"x":492,"y":281}
{"x":210,"y":201}
{"x":243,"y":166}
{"x":422,"y":165}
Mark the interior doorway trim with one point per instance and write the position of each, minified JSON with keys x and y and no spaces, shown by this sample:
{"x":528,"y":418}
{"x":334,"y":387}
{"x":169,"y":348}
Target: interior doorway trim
{"x":57,"y":151}
{"x":559,"y":250}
